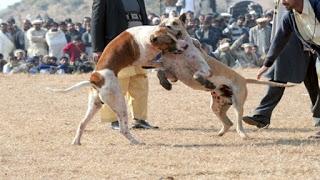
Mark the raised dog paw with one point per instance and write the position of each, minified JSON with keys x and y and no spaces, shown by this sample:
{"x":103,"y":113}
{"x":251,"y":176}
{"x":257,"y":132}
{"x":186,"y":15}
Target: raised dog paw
{"x":164,"y":81}
{"x":166,"y":84}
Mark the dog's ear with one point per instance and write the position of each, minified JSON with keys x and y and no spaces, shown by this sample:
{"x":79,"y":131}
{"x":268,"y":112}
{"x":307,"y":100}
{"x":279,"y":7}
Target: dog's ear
{"x":183,"y":18}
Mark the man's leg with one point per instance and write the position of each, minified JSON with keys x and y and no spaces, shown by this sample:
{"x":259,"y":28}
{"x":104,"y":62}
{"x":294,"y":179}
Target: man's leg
{"x":263,"y":112}
{"x":107,"y":115}
{"x":312,"y":86}
{"x":138,"y":100}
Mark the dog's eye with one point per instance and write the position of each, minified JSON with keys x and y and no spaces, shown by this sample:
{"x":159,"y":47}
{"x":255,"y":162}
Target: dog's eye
{"x":169,"y":27}
{"x":175,"y":23}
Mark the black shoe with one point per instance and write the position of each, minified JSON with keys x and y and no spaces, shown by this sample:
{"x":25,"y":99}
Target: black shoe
{"x":255,"y":121}
{"x":115,"y":125}
{"x":142,"y":124}
{"x":316,"y":122}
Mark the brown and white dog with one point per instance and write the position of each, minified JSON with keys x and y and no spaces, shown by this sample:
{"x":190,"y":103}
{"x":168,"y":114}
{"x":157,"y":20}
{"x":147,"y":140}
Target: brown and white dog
{"x":136,"y":46}
{"x":227,"y":87}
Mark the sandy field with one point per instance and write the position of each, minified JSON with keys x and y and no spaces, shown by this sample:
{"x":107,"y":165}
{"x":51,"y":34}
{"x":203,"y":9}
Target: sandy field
{"x":37,"y":128}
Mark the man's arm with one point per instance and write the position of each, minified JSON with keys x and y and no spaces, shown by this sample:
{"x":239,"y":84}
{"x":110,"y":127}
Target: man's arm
{"x":98,"y":24}
{"x":280,"y":40}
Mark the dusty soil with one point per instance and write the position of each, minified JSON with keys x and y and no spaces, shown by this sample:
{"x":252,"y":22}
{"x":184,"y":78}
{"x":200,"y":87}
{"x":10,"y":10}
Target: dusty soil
{"x":37,"y":128}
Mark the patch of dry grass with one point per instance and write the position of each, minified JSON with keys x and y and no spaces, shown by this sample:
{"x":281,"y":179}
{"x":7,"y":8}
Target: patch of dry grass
{"x":37,"y":128}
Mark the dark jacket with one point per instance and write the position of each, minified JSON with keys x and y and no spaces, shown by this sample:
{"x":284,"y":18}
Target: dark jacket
{"x":284,"y":31}
{"x":213,"y":38}
{"x":109,"y":20}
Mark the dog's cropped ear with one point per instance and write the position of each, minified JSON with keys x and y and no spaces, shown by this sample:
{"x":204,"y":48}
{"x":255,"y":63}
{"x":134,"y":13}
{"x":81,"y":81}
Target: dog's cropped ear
{"x":183,"y":18}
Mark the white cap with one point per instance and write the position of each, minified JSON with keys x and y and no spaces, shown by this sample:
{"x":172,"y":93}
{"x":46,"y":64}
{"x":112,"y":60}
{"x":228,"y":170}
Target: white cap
{"x":245,"y":45}
{"x":260,"y":20}
{"x":37,"y":21}
{"x":225,"y":14}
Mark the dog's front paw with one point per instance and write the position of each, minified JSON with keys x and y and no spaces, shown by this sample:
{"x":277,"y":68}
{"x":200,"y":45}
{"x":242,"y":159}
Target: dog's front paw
{"x":166,"y":84}
{"x":164,"y":81}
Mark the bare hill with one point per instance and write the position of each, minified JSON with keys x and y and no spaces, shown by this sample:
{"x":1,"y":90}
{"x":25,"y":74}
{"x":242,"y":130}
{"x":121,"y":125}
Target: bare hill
{"x":77,"y":9}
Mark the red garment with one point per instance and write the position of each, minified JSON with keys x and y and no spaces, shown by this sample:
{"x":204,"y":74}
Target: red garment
{"x":74,"y":51}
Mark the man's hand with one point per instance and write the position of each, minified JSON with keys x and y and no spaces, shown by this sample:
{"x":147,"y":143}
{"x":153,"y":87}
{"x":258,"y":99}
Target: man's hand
{"x":96,"y":56}
{"x":261,"y":71}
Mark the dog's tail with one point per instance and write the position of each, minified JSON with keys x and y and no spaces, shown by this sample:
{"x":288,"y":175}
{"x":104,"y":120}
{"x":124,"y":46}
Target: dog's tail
{"x":72,"y":88}
{"x":275,"y":84}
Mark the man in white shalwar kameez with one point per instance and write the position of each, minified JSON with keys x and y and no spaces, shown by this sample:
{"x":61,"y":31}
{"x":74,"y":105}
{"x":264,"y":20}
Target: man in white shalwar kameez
{"x":6,"y":45}
{"x":56,"y":40}
{"x":37,"y":44}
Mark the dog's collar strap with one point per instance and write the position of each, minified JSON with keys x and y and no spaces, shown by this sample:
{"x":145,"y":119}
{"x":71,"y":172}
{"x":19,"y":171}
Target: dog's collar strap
{"x":158,"y":57}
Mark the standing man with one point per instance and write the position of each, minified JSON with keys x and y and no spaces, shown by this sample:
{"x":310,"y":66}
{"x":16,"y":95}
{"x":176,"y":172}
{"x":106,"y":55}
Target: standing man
{"x":260,"y":35}
{"x":36,"y":37}
{"x":109,"y":19}
{"x":301,"y":20}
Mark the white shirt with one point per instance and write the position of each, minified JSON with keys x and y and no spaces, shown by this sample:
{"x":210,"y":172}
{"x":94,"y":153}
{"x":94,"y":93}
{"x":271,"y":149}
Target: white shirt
{"x":307,"y":23}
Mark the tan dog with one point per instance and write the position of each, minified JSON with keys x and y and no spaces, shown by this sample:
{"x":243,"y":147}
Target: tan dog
{"x":132,"y":47}
{"x":231,"y":89}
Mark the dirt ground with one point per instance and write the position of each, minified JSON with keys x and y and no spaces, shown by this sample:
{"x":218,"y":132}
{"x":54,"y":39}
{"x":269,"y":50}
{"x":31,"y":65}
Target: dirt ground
{"x":37,"y":128}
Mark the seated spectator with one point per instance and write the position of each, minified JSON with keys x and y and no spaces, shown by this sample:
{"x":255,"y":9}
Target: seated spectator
{"x":234,"y":56}
{"x":225,"y":53}
{"x":2,"y":62}
{"x":150,"y":17}
{"x":84,"y":65}
{"x":12,"y":63}
{"x":74,"y":49}
{"x":33,"y":64}
{"x":48,"y":65}
{"x":155,"y":21}
{"x":247,"y":57}
{"x":63,"y":66}
{"x":20,"y":55}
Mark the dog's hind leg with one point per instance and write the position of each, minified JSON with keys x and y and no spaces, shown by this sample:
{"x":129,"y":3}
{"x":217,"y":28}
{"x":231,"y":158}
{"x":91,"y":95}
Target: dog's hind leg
{"x":238,"y":105}
{"x":94,"y":104}
{"x":111,"y":95}
{"x":220,"y":109}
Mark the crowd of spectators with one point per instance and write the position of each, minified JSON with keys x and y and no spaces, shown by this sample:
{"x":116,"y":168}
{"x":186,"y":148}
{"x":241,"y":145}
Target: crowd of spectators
{"x":44,"y":45}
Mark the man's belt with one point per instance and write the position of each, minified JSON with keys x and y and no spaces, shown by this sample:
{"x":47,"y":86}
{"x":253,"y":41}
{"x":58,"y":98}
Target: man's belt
{"x":133,"y":16}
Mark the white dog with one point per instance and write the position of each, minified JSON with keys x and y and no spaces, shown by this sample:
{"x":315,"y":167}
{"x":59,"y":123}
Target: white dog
{"x":136,"y":46}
